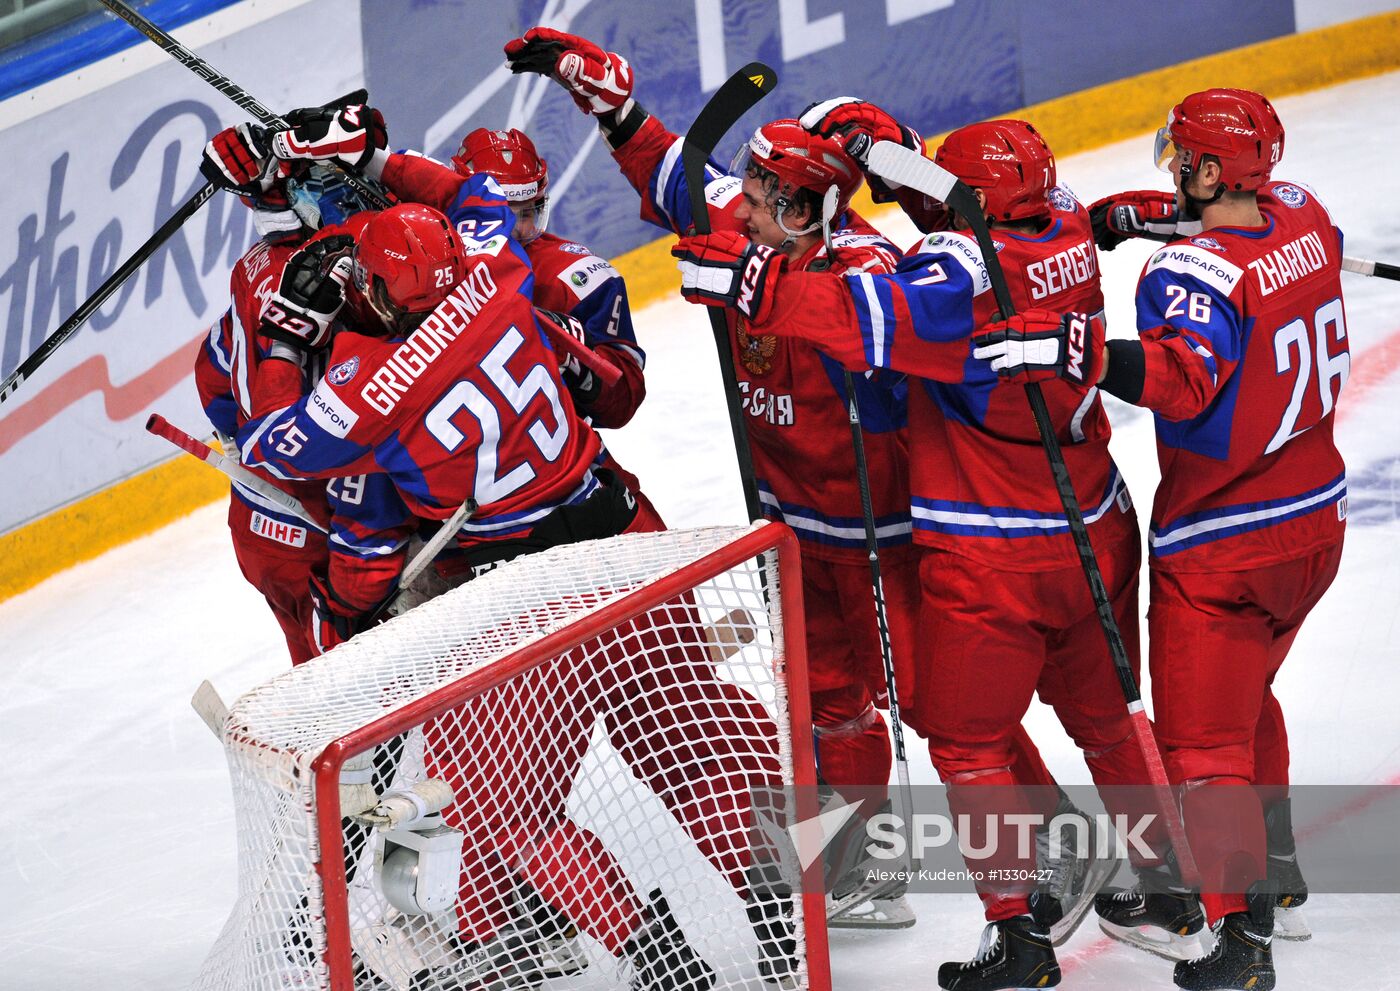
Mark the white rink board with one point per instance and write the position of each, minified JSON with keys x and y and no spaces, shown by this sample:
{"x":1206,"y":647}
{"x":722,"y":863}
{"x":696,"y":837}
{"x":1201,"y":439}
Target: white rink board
{"x":118,"y":834}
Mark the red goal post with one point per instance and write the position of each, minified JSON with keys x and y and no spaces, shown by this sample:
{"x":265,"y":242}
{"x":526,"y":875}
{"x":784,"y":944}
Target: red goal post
{"x":609,"y":721}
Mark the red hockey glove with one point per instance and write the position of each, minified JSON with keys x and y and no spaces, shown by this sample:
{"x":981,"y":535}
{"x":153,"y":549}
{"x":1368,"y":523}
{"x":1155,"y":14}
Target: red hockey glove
{"x":1143,"y":213}
{"x":727,"y":269}
{"x":582,"y":384}
{"x":856,"y":125}
{"x":310,"y":294}
{"x":335,"y":621}
{"x":350,"y":136}
{"x":600,"y":82}
{"x":1036,"y":344}
{"x":238,"y":158}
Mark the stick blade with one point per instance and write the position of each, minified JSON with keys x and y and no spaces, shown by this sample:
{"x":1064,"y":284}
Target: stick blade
{"x":731,"y":101}
{"x":902,"y":165}
{"x":211,"y":708}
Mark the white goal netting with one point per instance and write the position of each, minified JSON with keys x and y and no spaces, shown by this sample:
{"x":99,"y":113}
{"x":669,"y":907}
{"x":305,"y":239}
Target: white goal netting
{"x":590,"y":758}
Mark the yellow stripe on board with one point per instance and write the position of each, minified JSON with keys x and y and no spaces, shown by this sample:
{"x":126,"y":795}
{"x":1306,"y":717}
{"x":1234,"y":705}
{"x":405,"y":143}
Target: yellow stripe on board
{"x":1078,"y":122}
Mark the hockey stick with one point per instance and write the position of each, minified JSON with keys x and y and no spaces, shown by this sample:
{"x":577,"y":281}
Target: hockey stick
{"x":608,"y":373}
{"x":128,"y":268}
{"x":906,"y":167}
{"x":163,"y":428}
{"x":426,"y":554}
{"x":877,"y":584}
{"x":1360,"y":266}
{"x":80,"y":316}
{"x":731,"y":101}
{"x":226,"y":86}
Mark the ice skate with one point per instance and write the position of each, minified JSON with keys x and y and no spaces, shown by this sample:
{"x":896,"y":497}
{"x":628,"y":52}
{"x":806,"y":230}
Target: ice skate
{"x":663,"y":959}
{"x":1077,"y":874}
{"x":1242,"y":958}
{"x":1155,"y":915}
{"x":1015,"y":953}
{"x":1285,"y":876}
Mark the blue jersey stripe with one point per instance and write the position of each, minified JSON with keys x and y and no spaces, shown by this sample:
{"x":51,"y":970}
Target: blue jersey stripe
{"x":1229,"y":521}
{"x":969,"y":519}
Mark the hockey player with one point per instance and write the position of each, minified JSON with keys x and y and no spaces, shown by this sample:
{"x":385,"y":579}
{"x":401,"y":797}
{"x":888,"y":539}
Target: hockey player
{"x":277,"y":552}
{"x":452,"y":393}
{"x":794,"y":397}
{"x":569,"y":279}
{"x":994,"y":540}
{"x":1241,"y":354}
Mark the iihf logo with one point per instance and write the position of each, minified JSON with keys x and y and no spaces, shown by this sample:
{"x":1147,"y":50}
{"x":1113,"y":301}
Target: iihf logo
{"x":1290,"y":195}
{"x":1062,"y":199}
{"x":343,"y":372}
{"x":1208,"y":242}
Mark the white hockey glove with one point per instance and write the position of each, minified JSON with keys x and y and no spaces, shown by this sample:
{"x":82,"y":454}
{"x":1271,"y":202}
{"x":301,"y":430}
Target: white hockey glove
{"x":408,"y":806}
{"x":353,"y":137}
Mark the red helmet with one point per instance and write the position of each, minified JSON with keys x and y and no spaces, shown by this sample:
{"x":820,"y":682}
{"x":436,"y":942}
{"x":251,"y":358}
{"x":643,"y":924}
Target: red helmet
{"x":1237,"y":126}
{"x":800,"y":161}
{"x":507,"y":156}
{"x":409,"y":258}
{"x":1008,"y":160}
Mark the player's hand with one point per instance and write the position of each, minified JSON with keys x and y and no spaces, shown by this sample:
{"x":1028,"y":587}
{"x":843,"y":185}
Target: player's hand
{"x":239,"y":159}
{"x":1037,"y":344}
{"x":349,"y":136}
{"x":1142,"y":213}
{"x":309,"y":295}
{"x":727,"y":269}
{"x":600,"y":82}
{"x":856,"y":125}
{"x":582,"y":384}
{"x":334,"y":621}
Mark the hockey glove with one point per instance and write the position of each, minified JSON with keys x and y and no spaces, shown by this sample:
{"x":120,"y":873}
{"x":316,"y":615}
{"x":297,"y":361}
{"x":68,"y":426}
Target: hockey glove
{"x":1036,"y":344}
{"x":1144,"y":213}
{"x":856,"y":125}
{"x":582,"y":384}
{"x":310,"y":294}
{"x":239,"y":159}
{"x":335,"y":621}
{"x":600,"y":82}
{"x":727,"y":269}
{"x":353,"y":137}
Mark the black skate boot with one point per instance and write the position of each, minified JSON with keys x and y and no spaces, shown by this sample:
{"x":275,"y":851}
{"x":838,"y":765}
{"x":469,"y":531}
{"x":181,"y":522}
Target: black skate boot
{"x":1076,"y":872}
{"x":663,"y":959}
{"x":1243,"y":957}
{"x":503,"y":963}
{"x":555,"y":939}
{"x":771,"y":918}
{"x":1015,"y":953}
{"x":1284,"y":873}
{"x":1156,"y":914}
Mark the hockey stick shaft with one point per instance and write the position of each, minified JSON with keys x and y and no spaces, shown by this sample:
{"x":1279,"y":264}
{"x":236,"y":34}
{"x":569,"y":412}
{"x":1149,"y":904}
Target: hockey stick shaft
{"x":436,"y":543}
{"x":224,"y":85}
{"x":128,"y":268}
{"x":608,"y":373}
{"x":909,"y":168}
{"x":164,"y":429}
{"x":872,"y":550}
{"x":731,"y":101}
{"x":1358,"y":266}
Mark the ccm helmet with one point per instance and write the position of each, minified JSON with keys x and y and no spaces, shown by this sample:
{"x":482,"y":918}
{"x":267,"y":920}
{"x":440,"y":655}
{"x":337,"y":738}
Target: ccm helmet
{"x":407,"y":259}
{"x":1237,"y":126}
{"x":1008,"y":160}
{"x":786,"y":158}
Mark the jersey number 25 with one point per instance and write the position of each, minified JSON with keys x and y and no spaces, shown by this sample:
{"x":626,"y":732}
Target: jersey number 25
{"x":491,"y":483}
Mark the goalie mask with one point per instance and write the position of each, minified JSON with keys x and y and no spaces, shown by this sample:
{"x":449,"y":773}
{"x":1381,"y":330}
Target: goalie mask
{"x":510,"y":158}
{"x":322,"y":196}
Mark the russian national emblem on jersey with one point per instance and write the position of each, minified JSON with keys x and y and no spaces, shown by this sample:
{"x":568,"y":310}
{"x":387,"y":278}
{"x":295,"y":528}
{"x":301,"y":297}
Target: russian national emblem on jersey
{"x":756,"y":353}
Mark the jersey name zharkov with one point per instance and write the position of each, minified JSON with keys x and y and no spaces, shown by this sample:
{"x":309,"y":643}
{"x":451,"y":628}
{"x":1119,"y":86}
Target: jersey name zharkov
{"x":1298,"y":258}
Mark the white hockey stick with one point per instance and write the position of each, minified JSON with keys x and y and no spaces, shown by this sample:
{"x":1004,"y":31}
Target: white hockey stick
{"x":166,"y":430}
{"x":211,"y":708}
{"x":430,"y":550}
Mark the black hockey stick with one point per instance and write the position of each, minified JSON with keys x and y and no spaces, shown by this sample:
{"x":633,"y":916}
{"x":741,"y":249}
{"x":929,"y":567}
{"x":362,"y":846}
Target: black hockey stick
{"x":1358,"y":266}
{"x":877,"y":587}
{"x":80,"y":316}
{"x":909,"y":168}
{"x":730,"y":102}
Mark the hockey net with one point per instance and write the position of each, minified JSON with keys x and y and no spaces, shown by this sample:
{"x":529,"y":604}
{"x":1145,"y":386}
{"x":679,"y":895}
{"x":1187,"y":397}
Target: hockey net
{"x":594,"y":754}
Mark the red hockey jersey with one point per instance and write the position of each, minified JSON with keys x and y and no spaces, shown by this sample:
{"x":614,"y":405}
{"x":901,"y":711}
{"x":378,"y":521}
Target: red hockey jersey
{"x":1245,"y":347}
{"x":981,"y":483}
{"x":794,"y":396}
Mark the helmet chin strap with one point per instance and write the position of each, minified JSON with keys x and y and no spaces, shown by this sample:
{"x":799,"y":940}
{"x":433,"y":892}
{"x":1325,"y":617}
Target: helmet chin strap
{"x":1195,"y":204}
{"x":780,"y":207}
